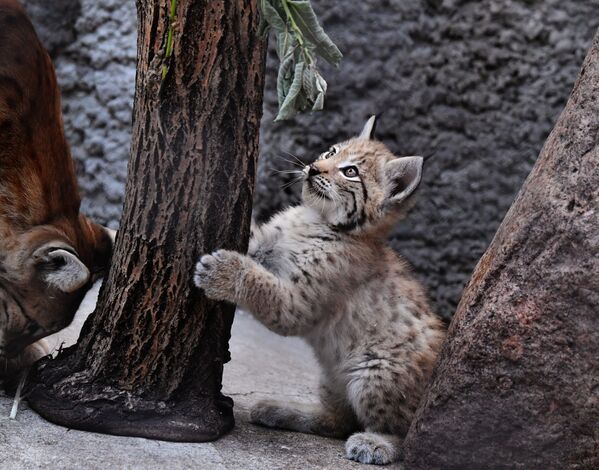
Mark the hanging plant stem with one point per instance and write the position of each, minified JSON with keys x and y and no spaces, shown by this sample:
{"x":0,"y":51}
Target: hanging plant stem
{"x":169,"y":38}
{"x":300,"y":39}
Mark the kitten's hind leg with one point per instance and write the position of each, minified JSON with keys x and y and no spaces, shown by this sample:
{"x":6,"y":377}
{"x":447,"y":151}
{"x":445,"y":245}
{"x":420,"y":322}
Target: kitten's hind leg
{"x":373,"y":448}
{"x":301,"y":417}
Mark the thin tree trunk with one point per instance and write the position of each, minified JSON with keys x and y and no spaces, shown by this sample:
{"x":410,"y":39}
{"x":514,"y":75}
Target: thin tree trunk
{"x":150,"y":361}
{"x":517,"y":384}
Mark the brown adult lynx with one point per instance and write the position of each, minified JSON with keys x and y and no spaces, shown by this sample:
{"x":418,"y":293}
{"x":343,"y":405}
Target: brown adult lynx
{"x":323,"y":271}
{"x":49,"y":253}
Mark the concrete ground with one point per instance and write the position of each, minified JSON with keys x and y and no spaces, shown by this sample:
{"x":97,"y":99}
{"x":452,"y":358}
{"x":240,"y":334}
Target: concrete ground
{"x":263,"y":365}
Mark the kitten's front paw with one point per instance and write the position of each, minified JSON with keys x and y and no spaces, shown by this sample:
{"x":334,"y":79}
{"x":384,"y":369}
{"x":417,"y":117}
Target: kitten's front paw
{"x":218,"y":274}
{"x":370,"y":448}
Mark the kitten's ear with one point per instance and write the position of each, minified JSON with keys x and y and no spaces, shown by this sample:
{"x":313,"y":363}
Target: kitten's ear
{"x":402,"y":177}
{"x":369,"y":128}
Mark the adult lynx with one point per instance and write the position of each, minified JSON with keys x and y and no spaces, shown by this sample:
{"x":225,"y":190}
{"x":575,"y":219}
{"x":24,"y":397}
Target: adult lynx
{"x":49,"y":252}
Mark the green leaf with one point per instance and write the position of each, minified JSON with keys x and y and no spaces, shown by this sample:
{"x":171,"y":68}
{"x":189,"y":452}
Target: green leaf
{"x":285,"y":45}
{"x":272,"y":16}
{"x":308,"y":85}
{"x":285,"y":78}
{"x":301,"y":102}
{"x":300,"y":38}
{"x":305,"y":18}
{"x":288,"y":108}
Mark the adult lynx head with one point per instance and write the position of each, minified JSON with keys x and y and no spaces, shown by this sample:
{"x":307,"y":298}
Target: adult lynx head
{"x":359,"y":185}
{"x":49,"y":253}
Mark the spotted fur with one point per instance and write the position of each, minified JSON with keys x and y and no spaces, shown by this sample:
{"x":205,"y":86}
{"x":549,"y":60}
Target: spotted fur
{"x":323,"y":271}
{"x":49,"y":253}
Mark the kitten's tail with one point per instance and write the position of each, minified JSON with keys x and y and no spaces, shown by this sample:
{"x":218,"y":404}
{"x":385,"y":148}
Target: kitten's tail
{"x":373,"y":448}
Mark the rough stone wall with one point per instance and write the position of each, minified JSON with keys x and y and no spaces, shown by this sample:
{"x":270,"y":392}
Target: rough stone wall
{"x":477,"y":83}
{"x":93,"y":43}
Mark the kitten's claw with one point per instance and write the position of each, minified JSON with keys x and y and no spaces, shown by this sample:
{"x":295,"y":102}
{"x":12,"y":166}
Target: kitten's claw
{"x":205,"y":266}
{"x":207,"y":260}
{"x":202,"y":269}
{"x":370,"y":448}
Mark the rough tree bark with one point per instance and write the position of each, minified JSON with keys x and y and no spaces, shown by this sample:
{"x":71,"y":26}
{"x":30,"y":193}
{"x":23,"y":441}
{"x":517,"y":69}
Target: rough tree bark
{"x":150,"y":360}
{"x":517,"y":383}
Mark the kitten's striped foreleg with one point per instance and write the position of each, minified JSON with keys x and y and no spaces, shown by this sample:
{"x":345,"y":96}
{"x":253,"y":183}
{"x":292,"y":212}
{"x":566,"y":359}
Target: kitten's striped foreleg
{"x":231,"y":276}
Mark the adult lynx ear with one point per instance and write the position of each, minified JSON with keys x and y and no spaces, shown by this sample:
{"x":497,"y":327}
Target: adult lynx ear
{"x":59,"y":267}
{"x":369,"y":128}
{"x":111,"y":233}
{"x":402,"y":177}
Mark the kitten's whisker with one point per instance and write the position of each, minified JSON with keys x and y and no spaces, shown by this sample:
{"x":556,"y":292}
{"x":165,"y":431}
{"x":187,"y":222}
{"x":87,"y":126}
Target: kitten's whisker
{"x":291,"y":172}
{"x":299,"y":165}
{"x":322,"y":201}
{"x":291,"y":183}
{"x":296,"y":158}
{"x":335,"y":195}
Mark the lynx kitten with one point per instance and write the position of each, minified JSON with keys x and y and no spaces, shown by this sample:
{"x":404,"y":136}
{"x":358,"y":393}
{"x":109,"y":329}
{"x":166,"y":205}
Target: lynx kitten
{"x":323,"y":271}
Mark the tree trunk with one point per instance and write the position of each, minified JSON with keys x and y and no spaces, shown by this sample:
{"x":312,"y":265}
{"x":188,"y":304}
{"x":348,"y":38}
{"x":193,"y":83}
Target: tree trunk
{"x":150,"y":360}
{"x":517,"y":383}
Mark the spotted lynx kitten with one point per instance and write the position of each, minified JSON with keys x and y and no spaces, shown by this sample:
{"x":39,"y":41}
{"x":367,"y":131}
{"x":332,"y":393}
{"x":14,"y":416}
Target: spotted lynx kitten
{"x":323,"y":271}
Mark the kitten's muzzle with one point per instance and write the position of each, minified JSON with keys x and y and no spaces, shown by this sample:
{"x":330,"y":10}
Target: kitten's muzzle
{"x":311,"y":170}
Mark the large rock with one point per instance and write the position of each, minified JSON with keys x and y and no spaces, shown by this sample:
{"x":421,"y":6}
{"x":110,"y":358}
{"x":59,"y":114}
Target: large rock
{"x":517,"y":383}
{"x":477,"y":83}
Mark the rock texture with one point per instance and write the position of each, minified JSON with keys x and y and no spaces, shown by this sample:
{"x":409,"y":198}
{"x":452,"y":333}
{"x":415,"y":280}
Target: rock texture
{"x":94,"y":48}
{"x":478,"y":84}
{"x":517,"y":384}
{"x":54,"y":21}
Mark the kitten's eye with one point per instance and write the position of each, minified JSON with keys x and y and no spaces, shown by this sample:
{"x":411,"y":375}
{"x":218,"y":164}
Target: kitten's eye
{"x":332,"y":151}
{"x":350,"y":171}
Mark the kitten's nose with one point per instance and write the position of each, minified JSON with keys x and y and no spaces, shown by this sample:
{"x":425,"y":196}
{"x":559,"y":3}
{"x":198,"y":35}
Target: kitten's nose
{"x":312,"y":170}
